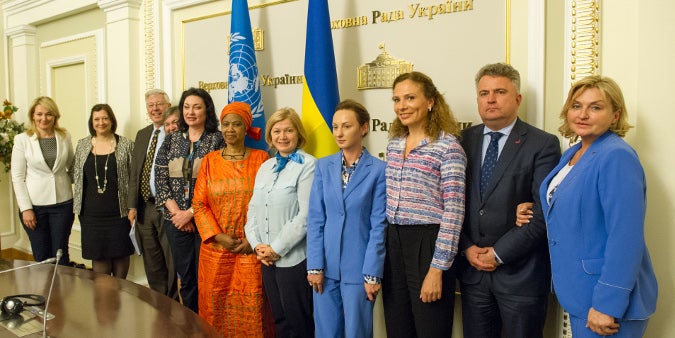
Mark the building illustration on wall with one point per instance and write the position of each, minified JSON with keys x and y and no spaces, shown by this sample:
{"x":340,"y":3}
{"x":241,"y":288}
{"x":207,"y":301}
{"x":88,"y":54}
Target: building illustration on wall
{"x":381,"y":72}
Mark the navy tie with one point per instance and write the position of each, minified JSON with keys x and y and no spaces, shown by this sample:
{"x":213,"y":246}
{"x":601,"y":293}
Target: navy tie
{"x":490,"y":160}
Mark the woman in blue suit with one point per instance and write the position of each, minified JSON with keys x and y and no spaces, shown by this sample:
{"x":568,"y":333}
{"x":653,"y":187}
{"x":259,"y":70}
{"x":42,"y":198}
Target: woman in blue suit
{"x":345,"y":230}
{"x":594,"y":203}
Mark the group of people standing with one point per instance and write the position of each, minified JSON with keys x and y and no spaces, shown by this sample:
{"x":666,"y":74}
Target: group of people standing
{"x":53,"y":183}
{"x":293,"y":246}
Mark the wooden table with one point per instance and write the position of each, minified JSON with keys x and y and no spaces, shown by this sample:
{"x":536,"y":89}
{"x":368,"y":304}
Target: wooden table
{"x":92,"y":305}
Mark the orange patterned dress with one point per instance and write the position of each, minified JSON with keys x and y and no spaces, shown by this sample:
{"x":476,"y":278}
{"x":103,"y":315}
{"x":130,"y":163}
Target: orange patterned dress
{"x":231,"y":296}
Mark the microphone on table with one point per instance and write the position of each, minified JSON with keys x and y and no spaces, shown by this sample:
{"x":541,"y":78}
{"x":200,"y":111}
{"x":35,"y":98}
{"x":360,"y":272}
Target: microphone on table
{"x":46,"y":261}
{"x":59,"y":253}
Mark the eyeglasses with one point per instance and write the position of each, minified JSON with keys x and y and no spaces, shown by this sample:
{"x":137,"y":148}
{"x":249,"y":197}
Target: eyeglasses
{"x":155,"y":104}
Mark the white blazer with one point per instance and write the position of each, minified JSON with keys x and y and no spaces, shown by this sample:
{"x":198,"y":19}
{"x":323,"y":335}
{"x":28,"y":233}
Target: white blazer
{"x":34,"y":183}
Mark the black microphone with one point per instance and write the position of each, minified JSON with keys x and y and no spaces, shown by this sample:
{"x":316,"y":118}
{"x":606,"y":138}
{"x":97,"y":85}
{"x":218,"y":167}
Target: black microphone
{"x":46,"y":261}
{"x":59,"y":253}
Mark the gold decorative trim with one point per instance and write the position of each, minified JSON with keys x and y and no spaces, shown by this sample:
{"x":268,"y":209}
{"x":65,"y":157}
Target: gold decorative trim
{"x":585,"y":41}
{"x":381,"y":72}
{"x":149,"y":43}
{"x":229,"y":12}
{"x":258,"y":40}
{"x":507,"y":38}
{"x":566,"y":325}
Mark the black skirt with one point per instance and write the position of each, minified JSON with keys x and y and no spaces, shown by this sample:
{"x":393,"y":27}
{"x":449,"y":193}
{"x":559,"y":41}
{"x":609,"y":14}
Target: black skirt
{"x":105,"y":235}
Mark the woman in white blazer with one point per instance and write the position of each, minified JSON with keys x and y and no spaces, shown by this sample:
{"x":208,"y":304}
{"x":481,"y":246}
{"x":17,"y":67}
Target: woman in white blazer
{"x":42,"y":158}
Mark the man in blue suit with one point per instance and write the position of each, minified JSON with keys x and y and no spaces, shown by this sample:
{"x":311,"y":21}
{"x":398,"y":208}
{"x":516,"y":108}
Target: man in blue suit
{"x":345,"y":230}
{"x":505,"y":270}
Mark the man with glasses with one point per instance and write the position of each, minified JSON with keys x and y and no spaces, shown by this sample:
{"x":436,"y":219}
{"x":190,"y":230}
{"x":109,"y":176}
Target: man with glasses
{"x":149,"y":229}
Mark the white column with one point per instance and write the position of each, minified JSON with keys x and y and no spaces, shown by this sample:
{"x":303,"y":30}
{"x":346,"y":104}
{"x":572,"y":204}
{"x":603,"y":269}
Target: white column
{"x":23,"y":86}
{"x":123,"y":55}
{"x":24,"y":78}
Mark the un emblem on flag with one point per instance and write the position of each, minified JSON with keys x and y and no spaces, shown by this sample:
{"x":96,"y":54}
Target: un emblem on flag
{"x":243,"y":81}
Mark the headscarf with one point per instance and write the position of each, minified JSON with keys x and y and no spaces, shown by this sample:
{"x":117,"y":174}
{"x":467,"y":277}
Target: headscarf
{"x":244,"y":110}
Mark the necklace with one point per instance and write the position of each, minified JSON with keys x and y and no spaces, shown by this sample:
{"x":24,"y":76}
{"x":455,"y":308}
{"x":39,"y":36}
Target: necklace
{"x":105,"y":168}
{"x":233,"y":157}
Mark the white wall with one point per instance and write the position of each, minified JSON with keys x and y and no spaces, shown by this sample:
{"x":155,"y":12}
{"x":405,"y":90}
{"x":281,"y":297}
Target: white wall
{"x":638,"y":52}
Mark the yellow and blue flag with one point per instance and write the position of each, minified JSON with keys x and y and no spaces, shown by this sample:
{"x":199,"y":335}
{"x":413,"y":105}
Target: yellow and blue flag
{"x":320,"y":93}
{"x":243,"y":80}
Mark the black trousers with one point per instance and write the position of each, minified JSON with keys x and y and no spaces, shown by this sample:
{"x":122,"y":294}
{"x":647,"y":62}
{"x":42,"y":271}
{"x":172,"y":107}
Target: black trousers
{"x":489,"y":314}
{"x":410,"y":249}
{"x":185,"y":252}
{"x":290,"y":298}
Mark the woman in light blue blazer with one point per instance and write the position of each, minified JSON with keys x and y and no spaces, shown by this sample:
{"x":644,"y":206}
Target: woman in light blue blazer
{"x":346,"y":229}
{"x":42,"y":159}
{"x":276,"y":225}
{"x":594,"y":202}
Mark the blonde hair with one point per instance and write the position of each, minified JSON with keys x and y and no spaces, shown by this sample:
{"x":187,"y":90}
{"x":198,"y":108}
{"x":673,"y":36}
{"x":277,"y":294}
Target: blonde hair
{"x":440,"y":118}
{"x":52,"y":108}
{"x":291,"y":115}
{"x":610,"y":90}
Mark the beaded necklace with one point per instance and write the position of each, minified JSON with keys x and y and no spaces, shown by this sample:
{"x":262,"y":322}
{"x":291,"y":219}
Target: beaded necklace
{"x":105,"y":167}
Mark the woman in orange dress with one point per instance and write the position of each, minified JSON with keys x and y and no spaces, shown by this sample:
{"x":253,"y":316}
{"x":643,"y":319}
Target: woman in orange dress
{"x":231,"y":296}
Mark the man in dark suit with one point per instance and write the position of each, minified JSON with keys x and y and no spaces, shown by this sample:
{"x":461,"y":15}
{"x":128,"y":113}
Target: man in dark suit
{"x":505,"y":270}
{"x":150,"y":231}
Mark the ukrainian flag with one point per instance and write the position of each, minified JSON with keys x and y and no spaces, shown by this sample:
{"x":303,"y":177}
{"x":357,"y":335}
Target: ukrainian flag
{"x":320,"y":89}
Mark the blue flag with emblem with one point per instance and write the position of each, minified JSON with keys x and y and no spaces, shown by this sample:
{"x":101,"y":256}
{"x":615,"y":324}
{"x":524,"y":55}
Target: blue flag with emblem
{"x":243,"y":80}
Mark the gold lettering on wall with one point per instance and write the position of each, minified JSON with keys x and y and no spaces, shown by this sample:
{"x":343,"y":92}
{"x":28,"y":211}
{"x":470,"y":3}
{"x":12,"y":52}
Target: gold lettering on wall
{"x":385,"y":17}
{"x":384,"y":126}
{"x":379,"y":125}
{"x":416,"y":10}
{"x":265,"y":80}
{"x":349,"y":22}
{"x":274,"y":81}
{"x":209,"y":86}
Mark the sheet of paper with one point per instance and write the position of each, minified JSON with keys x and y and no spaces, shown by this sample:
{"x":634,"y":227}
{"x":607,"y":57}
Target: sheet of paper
{"x":132,"y":235}
{"x":23,"y":324}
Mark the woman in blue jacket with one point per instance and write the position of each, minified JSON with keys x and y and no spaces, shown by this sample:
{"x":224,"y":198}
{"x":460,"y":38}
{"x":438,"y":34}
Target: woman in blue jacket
{"x":594,"y":202}
{"x":345,"y":230}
